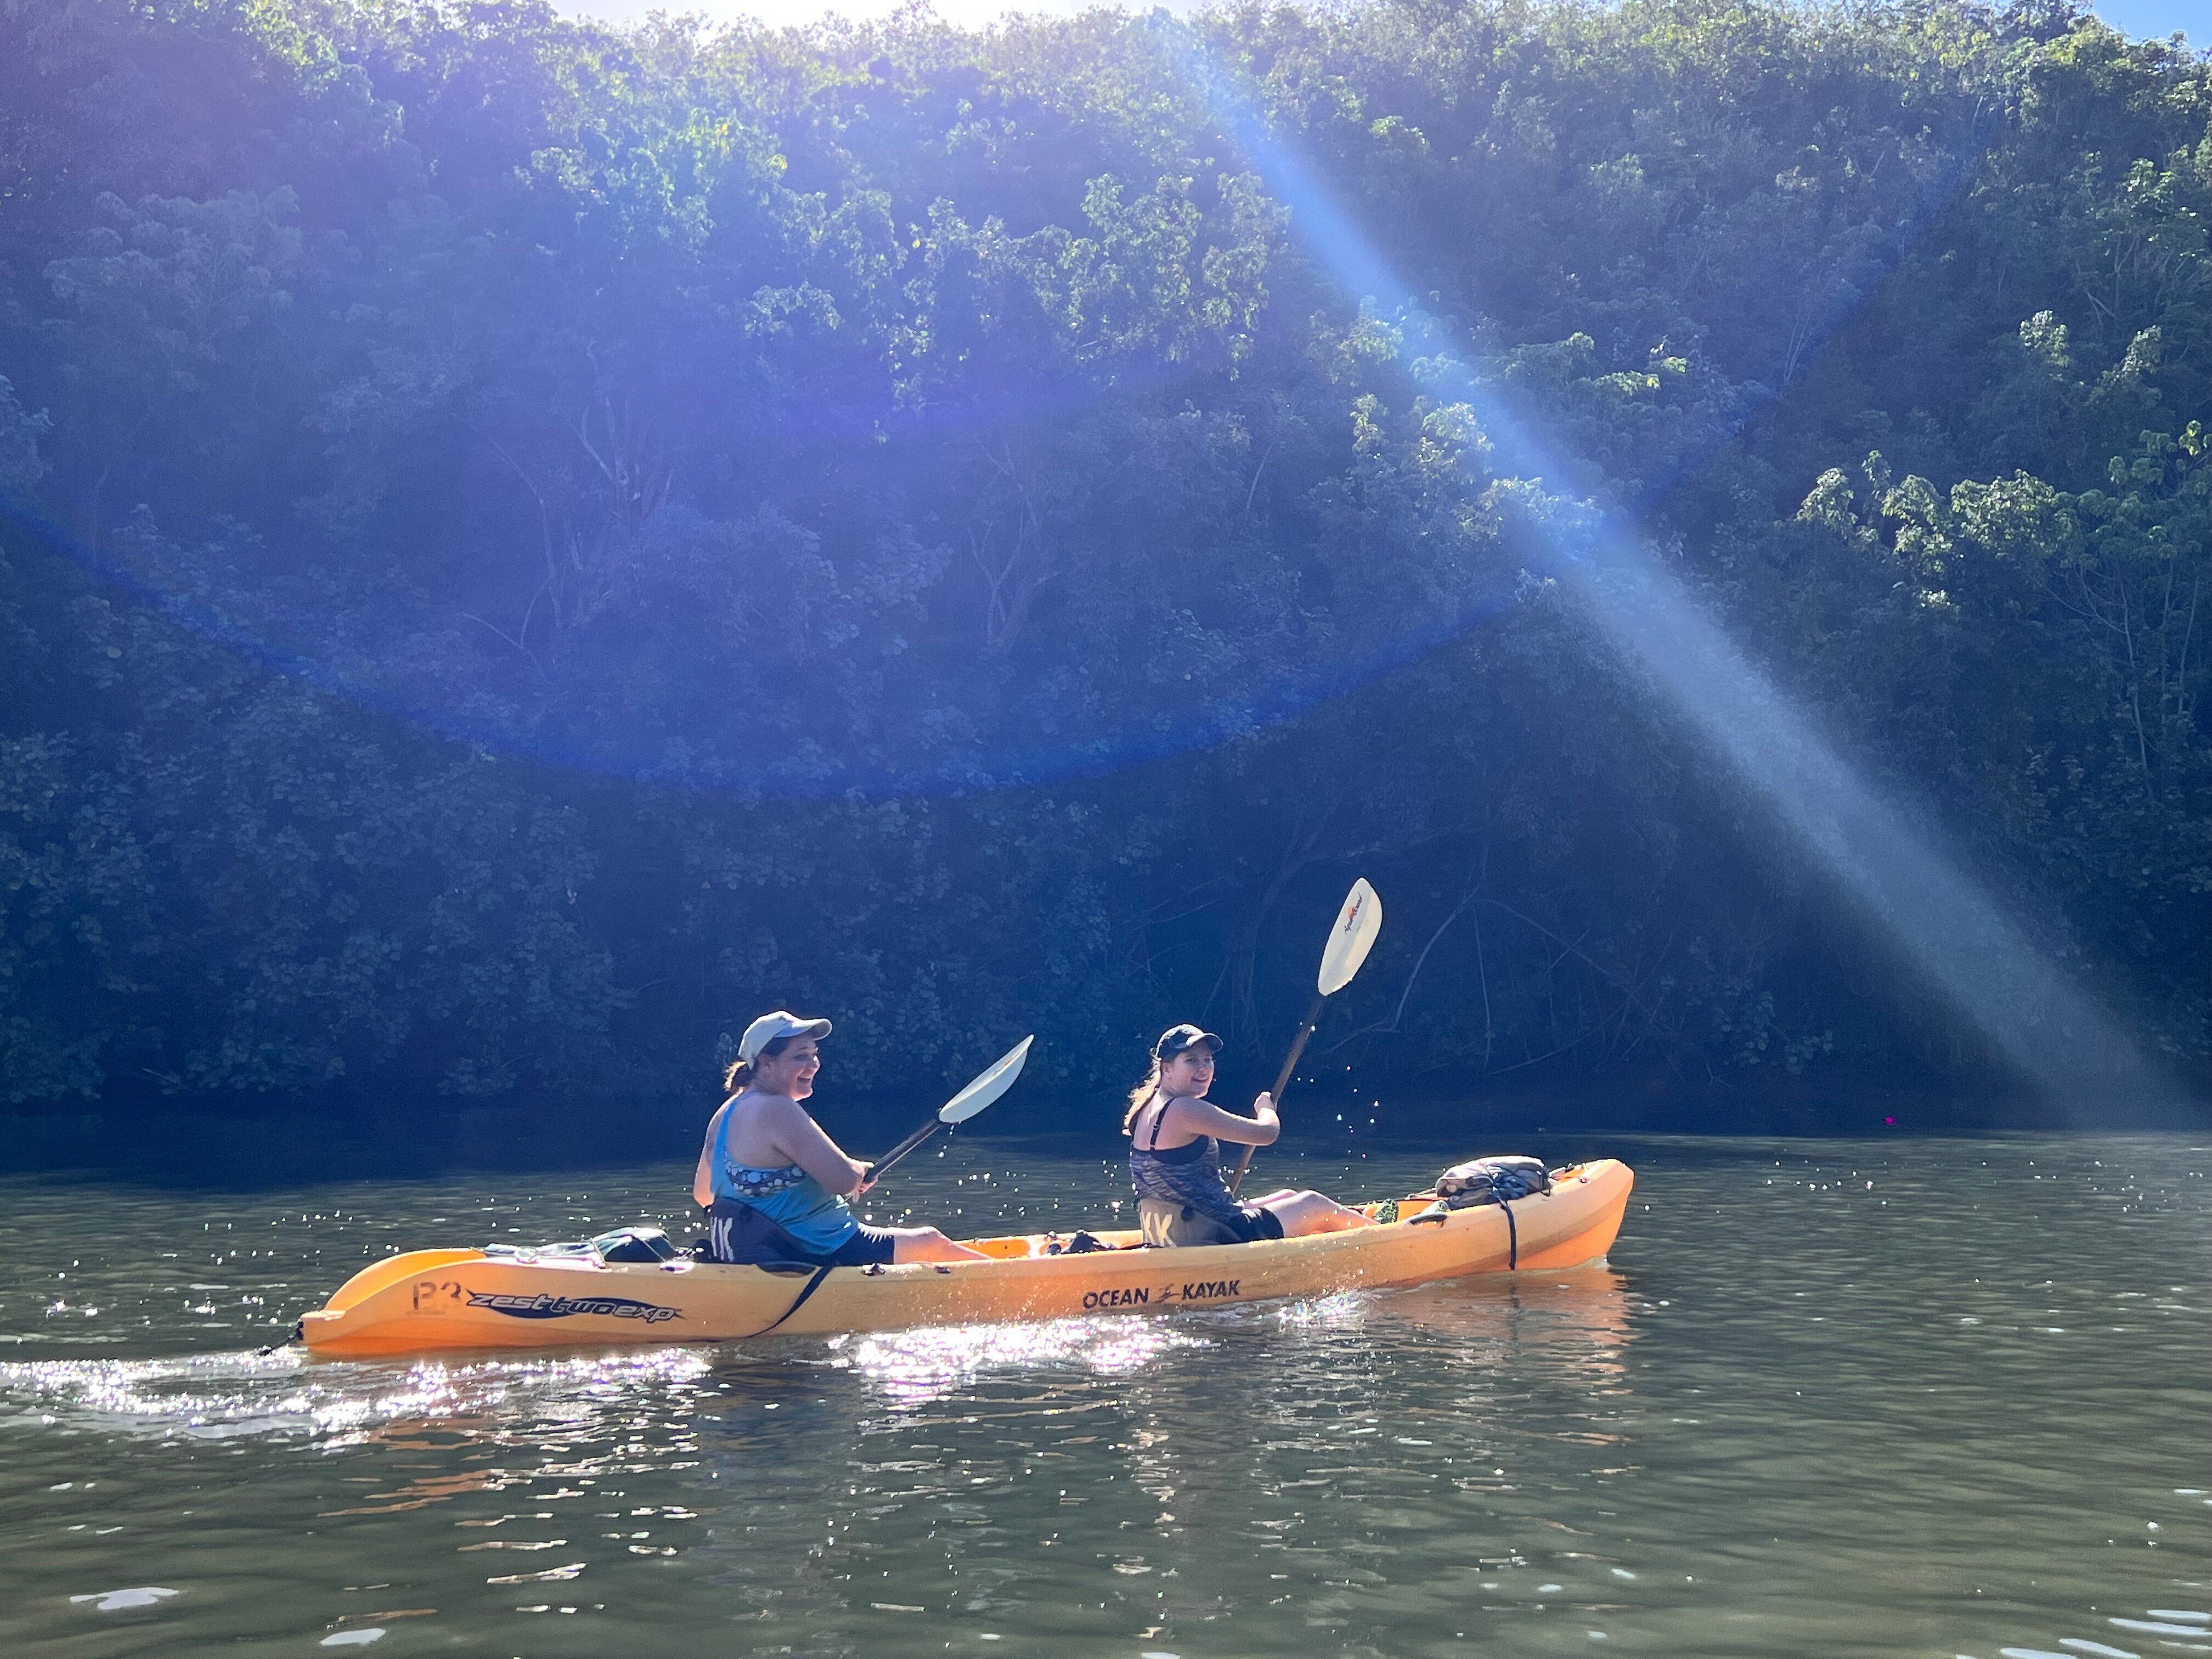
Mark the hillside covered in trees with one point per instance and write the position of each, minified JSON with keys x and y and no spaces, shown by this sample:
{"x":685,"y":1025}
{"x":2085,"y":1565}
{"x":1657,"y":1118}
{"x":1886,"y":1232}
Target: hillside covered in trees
{"x":526,"y":544}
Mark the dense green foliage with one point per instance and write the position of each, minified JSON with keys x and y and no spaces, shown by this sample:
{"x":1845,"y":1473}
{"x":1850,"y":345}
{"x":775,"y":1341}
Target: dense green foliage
{"x":533,"y":543}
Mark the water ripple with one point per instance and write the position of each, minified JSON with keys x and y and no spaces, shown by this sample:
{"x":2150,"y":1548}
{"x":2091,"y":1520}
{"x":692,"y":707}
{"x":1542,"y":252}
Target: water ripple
{"x":1800,"y":1414}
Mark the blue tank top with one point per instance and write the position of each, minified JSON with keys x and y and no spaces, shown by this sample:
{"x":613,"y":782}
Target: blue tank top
{"x":817,"y":1218}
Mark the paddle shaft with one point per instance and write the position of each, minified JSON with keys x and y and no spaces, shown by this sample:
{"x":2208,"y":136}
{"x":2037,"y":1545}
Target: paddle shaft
{"x":875,"y":1170}
{"x":1282,"y":1081}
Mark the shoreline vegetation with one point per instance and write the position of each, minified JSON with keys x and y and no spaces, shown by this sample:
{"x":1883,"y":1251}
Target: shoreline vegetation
{"x":247,"y":1151}
{"x":523,"y":545}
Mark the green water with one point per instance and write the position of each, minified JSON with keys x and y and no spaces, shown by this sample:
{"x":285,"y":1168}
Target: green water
{"x":1942,"y":1398}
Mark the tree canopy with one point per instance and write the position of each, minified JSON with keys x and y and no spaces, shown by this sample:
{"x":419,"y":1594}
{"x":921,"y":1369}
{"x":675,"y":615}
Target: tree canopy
{"x":526,"y":544}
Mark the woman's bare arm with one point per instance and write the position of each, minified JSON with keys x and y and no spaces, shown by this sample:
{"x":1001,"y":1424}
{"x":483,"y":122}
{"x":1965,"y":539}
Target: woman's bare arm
{"x":1192,"y":1118}
{"x":702,"y":1179}
{"x":800,"y":1138}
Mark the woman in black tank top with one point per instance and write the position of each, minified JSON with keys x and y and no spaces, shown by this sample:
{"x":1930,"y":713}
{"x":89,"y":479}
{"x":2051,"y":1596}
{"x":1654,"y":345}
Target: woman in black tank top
{"x":1174,"y":1160}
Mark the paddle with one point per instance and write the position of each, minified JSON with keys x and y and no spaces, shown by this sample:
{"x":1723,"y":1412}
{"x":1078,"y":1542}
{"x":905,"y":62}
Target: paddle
{"x":1349,"y":942}
{"x":986,"y":1088}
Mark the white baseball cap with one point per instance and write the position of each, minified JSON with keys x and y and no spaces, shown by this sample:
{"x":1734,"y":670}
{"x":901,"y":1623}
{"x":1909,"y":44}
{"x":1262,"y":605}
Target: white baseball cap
{"x":770,"y":1027}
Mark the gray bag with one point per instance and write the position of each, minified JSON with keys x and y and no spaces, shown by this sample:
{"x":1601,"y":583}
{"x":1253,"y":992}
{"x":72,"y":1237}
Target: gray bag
{"x":1490,"y":1180}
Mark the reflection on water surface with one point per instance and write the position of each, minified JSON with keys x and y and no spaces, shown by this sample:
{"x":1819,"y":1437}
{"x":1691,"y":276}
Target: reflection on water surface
{"x":1941,"y":1398}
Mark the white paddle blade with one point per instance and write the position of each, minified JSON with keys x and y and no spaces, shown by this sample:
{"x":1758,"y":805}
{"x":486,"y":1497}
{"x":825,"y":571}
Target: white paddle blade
{"x":1356,"y":926}
{"x":989,"y":1087}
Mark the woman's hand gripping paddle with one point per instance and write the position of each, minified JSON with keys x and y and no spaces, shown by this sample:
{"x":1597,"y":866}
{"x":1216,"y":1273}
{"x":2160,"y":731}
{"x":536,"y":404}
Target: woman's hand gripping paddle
{"x":1349,"y":941}
{"x":974,"y":1098}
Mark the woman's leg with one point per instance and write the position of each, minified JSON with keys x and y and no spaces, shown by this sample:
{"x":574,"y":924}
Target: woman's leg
{"x":927,"y":1244}
{"x":1307,"y":1213}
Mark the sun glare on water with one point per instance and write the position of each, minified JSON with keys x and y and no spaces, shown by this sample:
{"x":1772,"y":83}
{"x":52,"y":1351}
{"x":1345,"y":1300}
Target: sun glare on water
{"x":914,"y":1367}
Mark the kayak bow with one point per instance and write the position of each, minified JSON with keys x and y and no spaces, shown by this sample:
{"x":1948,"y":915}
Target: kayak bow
{"x":428,"y":1300}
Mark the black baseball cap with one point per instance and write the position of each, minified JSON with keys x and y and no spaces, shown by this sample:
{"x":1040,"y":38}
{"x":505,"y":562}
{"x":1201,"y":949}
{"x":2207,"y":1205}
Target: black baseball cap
{"x":1178,"y":1038}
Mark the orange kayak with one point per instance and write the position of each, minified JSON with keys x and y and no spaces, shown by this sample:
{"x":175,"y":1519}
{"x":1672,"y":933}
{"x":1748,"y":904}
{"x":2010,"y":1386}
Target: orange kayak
{"x":427,"y":1300}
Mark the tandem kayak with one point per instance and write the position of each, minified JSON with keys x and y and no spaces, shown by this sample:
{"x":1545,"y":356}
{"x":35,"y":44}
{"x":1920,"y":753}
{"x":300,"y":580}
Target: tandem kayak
{"x":571,"y":1297}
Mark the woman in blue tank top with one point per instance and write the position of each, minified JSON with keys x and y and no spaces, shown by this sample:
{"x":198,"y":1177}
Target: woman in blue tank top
{"x":1174,"y":1160}
{"x":773,"y":1184}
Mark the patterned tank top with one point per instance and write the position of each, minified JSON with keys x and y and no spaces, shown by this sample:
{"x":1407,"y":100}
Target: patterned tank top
{"x":1189,"y":1176}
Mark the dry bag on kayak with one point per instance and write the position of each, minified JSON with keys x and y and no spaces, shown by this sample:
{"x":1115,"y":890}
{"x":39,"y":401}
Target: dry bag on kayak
{"x":623,"y":1244}
{"x":1490,"y":1180}
{"x":634,"y":1244}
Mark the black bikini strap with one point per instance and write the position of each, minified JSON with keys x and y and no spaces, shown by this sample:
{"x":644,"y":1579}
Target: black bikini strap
{"x":1159,"y":1112}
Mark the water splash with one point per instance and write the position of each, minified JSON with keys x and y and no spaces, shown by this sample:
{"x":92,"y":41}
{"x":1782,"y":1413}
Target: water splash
{"x":222,"y":1396}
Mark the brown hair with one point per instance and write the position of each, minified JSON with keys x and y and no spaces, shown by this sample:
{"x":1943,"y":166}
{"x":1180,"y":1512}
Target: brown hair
{"x":741,"y":1072}
{"x":1140,"y":1095}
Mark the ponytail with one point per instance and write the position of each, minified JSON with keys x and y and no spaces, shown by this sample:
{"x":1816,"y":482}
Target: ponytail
{"x":1139,"y":1095}
{"x":740,"y":1074}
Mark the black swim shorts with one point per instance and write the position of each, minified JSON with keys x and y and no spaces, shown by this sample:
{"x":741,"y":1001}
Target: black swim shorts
{"x":740,"y":1235}
{"x":867,"y":1248}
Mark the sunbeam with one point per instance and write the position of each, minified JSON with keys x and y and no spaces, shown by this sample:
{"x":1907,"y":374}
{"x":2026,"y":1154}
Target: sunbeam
{"x":1984,"y":961}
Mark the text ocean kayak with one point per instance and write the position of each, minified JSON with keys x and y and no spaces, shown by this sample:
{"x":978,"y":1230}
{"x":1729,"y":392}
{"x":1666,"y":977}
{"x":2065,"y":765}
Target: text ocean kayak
{"x":428,"y":1300}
